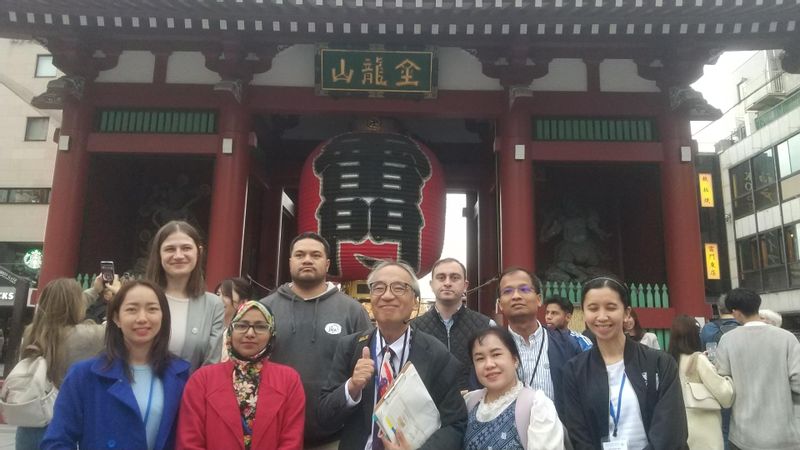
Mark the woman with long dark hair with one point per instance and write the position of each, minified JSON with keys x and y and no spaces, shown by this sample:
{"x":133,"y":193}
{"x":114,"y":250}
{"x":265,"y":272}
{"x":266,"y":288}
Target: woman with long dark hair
{"x":633,"y":328}
{"x":705,"y":425}
{"x":620,"y":392}
{"x":59,"y":334}
{"x":128,"y":397}
{"x":175,"y":263}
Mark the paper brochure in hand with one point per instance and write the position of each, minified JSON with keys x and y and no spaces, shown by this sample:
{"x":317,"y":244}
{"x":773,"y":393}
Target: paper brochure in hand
{"x":407,"y":406}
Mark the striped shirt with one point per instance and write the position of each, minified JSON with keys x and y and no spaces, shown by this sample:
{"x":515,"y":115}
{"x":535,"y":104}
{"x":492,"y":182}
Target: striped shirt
{"x":529,"y":351}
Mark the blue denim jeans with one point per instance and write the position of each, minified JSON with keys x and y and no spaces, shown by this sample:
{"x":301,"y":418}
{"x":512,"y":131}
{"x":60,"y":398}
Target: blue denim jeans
{"x":29,"y":438}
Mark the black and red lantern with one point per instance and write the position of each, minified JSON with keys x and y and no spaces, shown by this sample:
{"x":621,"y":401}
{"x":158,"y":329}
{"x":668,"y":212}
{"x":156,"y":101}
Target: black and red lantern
{"x":373,"y":196}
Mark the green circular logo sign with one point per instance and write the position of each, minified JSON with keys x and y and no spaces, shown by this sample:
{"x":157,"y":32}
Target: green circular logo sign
{"x":33,"y":259}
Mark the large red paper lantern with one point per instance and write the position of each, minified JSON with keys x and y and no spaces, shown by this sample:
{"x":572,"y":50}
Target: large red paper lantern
{"x":373,"y":196}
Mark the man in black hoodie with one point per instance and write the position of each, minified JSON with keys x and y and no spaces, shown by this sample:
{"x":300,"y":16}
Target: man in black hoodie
{"x":311,"y":315}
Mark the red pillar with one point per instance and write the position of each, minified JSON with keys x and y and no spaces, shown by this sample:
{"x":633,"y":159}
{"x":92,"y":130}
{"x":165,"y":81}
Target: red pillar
{"x":228,"y":197}
{"x":683,"y":249}
{"x":62,"y":235}
{"x":515,"y":179}
{"x":488,"y":250}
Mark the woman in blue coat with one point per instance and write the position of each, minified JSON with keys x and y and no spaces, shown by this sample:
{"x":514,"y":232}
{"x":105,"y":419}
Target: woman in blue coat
{"x":128,"y":397}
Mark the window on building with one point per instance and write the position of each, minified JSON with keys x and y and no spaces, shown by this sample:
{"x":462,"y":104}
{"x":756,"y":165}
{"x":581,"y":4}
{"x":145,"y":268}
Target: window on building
{"x":749,"y":267}
{"x":36,"y":129}
{"x":25,"y":195}
{"x":791,"y":236}
{"x":742,"y":190}
{"x":762,"y":262}
{"x":45,"y":67}
{"x":789,"y":162}
{"x":754,"y":184}
{"x":765,"y":180}
{"x":772,"y":262}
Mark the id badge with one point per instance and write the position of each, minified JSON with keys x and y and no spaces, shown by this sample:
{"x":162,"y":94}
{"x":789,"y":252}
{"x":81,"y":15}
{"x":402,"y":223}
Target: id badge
{"x":616,"y":444}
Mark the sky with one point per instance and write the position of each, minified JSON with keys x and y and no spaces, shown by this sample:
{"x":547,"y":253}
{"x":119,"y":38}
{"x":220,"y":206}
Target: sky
{"x":718,"y":86}
{"x":455,"y":235}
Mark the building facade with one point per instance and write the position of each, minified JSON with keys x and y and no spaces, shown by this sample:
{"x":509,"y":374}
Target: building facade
{"x":759,"y":158}
{"x":27,"y":156}
{"x":566,"y":123}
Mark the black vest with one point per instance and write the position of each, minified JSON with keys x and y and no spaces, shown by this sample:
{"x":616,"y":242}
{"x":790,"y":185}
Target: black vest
{"x":466,"y":322}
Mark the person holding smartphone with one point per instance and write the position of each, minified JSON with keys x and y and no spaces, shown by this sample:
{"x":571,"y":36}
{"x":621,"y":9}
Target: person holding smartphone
{"x":175,"y":265}
{"x":97,"y":297}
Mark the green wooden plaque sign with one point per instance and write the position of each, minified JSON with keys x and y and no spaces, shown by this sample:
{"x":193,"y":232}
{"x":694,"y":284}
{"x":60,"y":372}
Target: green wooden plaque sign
{"x":376,"y":72}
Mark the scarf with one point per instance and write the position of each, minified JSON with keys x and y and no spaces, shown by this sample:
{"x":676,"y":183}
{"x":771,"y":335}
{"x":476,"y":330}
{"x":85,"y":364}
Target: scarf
{"x":247,"y":371}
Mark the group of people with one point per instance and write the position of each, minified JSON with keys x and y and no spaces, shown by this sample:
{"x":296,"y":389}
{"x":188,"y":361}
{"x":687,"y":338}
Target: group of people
{"x":174,"y":366}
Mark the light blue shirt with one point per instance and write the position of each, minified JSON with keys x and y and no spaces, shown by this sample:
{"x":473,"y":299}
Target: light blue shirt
{"x":584,"y":342}
{"x":142,"y":383}
{"x":536,"y":377}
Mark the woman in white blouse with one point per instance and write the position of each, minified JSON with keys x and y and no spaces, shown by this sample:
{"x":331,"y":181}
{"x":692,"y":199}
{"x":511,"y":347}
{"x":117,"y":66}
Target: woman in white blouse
{"x":705,"y":425}
{"x":506,"y":414}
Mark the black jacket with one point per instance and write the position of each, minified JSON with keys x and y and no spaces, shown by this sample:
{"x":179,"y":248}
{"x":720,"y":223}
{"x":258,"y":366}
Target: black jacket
{"x":653,"y":374}
{"x":438,"y":370}
{"x":466,"y":323}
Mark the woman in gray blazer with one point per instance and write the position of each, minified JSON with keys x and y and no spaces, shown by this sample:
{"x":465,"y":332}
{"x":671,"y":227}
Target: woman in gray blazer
{"x":175,"y":264}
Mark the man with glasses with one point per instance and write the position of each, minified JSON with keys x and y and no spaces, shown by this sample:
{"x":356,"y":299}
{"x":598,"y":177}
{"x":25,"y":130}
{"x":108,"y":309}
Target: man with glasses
{"x":366,"y":363}
{"x":313,"y":316}
{"x":450,"y":320}
{"x":543,"y":351}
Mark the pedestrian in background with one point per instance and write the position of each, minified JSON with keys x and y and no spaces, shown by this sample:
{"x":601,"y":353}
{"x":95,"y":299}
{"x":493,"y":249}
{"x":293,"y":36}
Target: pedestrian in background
{"x":633,"y":328}
{"x":705,"y":425}
{"x":59,"y":334}
{"x":234,"y":293}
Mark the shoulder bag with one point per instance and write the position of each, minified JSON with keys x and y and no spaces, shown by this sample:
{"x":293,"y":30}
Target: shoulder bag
{"x":695,"y":394}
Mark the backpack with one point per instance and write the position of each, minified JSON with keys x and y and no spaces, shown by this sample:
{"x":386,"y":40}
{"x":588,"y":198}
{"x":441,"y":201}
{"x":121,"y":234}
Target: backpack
{"x":27,"y":397}
{"x":723,"y":326}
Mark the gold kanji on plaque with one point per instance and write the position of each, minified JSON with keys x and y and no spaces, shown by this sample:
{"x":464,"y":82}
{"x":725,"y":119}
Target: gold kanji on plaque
{"x":407,"y":69}
{"x":343,"y":74}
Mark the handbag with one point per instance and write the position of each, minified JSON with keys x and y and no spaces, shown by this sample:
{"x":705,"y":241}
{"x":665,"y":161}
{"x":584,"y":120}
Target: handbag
{"x":695,"y":394}
{"x":28,"y":396}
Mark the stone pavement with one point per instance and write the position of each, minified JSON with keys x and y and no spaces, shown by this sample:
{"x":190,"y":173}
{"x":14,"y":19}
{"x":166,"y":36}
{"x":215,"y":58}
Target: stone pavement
{"x":7,"y":436}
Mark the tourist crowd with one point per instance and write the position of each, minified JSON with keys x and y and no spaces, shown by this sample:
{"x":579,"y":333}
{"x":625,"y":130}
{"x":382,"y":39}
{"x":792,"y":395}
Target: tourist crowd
{"x":172,"y":366}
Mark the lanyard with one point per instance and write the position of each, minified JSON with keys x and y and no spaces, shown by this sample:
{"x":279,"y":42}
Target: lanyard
{"x":615,"y":417}
{"x":149,"y":400}
{"x":539,"y":356}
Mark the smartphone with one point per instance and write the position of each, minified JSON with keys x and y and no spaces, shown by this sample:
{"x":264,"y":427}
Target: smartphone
{"x":107,"y":271}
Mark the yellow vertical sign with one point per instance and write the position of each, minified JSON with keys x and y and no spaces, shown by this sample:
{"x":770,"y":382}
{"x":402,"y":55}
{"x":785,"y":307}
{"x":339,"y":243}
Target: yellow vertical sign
{"x":712,"y":262}
{"x":706,"y":191}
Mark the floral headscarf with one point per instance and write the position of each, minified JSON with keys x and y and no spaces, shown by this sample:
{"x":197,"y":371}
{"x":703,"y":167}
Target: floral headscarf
{"x":247,"y":371}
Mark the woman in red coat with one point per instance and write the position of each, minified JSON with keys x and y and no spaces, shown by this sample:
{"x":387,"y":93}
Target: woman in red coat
{"x":247,"y":402}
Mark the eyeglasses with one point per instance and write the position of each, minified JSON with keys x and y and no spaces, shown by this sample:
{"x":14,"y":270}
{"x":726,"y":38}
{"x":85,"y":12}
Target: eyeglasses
{"x":524,"y":290}
{"x":243,"y":327}
{"x":398,"y":288}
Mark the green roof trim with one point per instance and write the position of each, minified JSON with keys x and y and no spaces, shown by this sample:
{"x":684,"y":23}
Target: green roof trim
{"x":778,"y":111}
{"x":594,"y":129}
{"x":156,"y":121}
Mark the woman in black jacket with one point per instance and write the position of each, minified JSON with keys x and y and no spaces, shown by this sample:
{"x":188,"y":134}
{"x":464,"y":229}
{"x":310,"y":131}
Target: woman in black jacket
{"x":620,"y":394}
